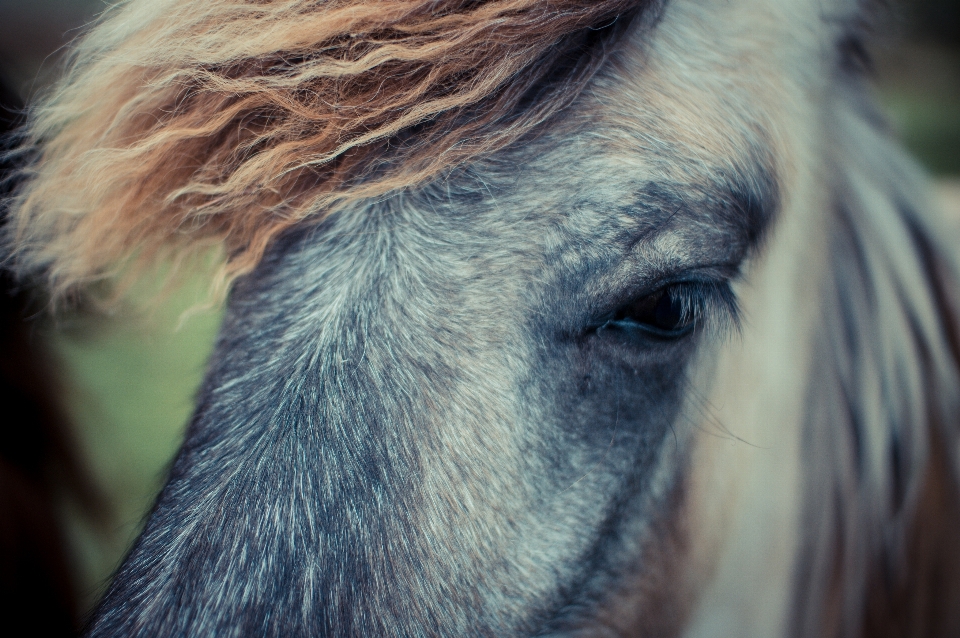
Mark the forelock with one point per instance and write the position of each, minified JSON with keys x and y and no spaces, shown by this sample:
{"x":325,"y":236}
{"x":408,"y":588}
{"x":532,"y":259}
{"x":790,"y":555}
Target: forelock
{"x":220,"y":122}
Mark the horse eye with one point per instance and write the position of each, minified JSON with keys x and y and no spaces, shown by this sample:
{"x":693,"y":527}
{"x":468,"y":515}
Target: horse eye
{"x":664,"y":313}
{"x":662,"y":310}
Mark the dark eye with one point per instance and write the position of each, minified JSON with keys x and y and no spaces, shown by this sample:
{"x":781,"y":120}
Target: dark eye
{"x":661,"y":310}
{"x":667,"y":312}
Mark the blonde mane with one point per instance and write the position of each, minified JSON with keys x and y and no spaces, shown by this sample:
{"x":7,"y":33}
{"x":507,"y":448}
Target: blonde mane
{"x":187,"y":124}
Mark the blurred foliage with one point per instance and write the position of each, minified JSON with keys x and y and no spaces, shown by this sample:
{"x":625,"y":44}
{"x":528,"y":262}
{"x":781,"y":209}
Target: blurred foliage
{"x":930,"y":128}
{"x":918,"y":75}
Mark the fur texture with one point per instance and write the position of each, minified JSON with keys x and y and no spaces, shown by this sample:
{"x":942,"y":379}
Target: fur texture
{"x":457,"y":406}
{"x":190,"y":123}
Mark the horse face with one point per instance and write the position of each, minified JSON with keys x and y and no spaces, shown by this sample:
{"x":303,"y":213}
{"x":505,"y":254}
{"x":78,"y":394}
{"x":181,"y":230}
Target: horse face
{"x":468,"y":401}
{"x":469,"y":409}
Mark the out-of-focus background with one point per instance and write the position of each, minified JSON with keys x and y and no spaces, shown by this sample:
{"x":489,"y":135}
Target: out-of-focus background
{"x":126,"y":382}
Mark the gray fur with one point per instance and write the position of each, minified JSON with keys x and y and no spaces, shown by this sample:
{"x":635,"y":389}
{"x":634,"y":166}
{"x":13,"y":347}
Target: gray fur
{"x":412,"y":426}
{"x":364,"y":356}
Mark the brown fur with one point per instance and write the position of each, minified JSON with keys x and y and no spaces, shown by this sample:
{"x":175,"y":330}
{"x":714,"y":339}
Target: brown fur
{"x":899,"y":575}
{"x":226,"y":123}
{"x":922,"y":597}
{"x":914,"y":591}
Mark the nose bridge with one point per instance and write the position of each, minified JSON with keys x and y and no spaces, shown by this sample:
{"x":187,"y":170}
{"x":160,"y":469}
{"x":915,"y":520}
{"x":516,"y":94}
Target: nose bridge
{"x":447,"y":363}
{"x":415,"y":395}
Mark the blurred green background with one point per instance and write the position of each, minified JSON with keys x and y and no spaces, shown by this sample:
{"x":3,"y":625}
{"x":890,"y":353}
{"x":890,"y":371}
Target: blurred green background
{"x":131,"y":379}
{"x":918,"y":74}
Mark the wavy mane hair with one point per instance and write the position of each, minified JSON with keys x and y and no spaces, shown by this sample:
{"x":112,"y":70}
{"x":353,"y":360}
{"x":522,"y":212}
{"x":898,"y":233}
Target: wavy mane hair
{"x":179,"y":124}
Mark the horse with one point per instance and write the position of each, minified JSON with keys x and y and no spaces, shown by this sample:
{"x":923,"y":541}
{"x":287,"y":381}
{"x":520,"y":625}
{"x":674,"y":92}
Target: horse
{"x":544,"y":317}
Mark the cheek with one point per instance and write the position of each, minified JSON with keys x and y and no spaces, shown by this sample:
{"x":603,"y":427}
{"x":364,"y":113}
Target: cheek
{"x":610,"y":406}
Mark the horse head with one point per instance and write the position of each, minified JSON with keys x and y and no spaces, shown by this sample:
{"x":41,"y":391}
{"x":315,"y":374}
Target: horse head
{"x":547,"y":318}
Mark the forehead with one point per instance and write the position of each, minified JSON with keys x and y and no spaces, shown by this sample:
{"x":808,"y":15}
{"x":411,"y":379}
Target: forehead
{"x":686,"y":123}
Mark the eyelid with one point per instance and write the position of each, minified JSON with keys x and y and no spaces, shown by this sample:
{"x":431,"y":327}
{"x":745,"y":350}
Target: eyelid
{"x":720,"y":273}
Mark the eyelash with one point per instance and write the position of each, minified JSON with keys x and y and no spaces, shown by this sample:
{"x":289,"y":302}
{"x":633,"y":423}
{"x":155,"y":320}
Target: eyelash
{"x":694,"y":303}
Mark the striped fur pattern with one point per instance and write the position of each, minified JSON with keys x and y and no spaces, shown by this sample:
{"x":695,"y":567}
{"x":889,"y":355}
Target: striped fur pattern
{"x":461,"y":407}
